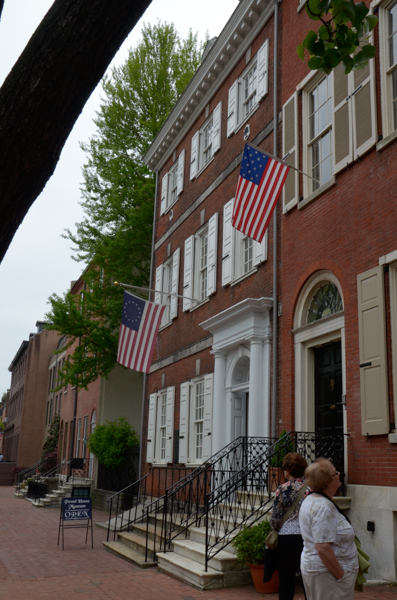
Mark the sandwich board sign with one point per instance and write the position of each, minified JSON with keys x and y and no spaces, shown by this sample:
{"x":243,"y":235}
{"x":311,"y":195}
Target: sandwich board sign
{"x":73,"y":511}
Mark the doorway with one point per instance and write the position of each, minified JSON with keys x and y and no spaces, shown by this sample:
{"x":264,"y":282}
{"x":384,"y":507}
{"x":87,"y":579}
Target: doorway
{"x":239,"y":414}
{"x":328,"y":389}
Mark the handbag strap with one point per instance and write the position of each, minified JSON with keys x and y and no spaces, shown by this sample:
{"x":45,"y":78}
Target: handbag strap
{"x":294,"y":505}
{"x":334,"y":503}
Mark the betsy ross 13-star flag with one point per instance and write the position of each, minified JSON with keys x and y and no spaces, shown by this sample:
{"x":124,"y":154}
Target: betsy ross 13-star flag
{"x":140,"y":322}
{"x":258,"y":188}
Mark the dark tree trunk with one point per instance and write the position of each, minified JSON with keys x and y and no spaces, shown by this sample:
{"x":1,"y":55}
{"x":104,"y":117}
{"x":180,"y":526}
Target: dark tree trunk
{"x":46,"y":91}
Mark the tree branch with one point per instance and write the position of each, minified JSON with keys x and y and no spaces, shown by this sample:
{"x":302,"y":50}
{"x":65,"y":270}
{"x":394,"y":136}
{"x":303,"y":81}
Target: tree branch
{"x":46,"y":91}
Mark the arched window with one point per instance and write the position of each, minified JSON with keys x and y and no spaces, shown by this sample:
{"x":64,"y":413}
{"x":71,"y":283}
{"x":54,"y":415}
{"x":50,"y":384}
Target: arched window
{"x":326,"y":301}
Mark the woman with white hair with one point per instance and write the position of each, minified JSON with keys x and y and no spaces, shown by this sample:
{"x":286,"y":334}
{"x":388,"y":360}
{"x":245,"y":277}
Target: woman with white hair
{"x":329,"y":563}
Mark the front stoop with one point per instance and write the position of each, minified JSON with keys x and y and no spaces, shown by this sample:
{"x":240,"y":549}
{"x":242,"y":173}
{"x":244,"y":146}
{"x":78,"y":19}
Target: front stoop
{"x":189,"y":570}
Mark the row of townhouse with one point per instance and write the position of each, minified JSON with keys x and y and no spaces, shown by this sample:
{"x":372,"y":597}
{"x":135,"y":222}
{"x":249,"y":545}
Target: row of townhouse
{"x":231,"y":359}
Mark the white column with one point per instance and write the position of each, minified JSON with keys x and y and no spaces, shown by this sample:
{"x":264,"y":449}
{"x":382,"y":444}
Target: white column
{"x":219,"y":433}
{"x":267,"y":346}
{"x":255,"y":403}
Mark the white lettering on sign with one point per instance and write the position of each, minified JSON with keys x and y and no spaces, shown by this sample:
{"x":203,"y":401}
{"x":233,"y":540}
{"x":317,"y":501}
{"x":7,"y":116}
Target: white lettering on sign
{"x":70,"y":514}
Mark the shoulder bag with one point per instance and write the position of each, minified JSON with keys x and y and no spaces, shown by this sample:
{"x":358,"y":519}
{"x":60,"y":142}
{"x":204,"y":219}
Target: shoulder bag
{"x":272,"y":538}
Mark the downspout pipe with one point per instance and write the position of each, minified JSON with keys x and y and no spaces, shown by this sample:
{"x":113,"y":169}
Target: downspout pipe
{"x":275,"y":257}
{"x":150,"y":281}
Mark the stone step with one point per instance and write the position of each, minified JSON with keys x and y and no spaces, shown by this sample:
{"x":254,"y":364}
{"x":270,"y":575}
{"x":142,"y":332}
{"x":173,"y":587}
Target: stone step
{"x":154,"y":531}
{"x":197,"y":534}
{"x":223,"y":561}
{"x":128,"y":554}
{"x":190,"y":571}
{"x":138,"y":543}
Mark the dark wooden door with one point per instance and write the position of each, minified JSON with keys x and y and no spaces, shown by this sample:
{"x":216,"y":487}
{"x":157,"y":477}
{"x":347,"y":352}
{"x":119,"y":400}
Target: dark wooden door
{"x":328,"y":389}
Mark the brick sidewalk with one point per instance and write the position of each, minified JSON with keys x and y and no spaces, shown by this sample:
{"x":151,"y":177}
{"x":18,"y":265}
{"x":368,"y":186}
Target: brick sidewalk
{"x":33,"y":567}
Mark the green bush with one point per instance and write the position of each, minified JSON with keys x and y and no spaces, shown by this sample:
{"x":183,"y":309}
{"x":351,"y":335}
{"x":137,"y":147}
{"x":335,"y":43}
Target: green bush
{"x":250,"y":543}
{"x":109,"y":442}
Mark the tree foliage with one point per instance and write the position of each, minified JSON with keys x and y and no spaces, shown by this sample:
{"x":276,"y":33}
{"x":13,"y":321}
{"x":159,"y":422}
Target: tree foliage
{"x":115,"y":236}
{"x":343,"y":35}
{"x":109,"y":442}
{"x":48,"y":458}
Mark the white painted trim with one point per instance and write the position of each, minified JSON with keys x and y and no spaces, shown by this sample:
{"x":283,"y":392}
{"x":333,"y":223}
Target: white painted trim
{"x":309,"y":289}
{"x":393,"y":319}
{"x":388,"y":258}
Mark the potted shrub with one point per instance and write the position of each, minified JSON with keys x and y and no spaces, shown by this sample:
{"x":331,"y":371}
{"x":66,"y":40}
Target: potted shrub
{"x":281,"y":449}
{"x":250,"y":545}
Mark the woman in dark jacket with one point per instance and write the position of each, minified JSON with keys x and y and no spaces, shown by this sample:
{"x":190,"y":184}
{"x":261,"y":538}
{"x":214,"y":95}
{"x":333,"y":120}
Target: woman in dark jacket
{"x":290,"y":542}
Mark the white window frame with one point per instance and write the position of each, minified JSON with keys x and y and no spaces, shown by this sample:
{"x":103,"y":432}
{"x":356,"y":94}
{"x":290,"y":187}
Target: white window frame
{"x":166,"y":287}
{"x":393,"y":320}
{"x":386,"y":72}
{"x":198,"y":160}
{"x":192,"y":290}
{"x":233,"y":259}
{"x":309,"y":186}
{"x":236,"y":116}
{"x":78,"y":438}
{"x":154,"y":453}
{"x":172,"y":181}
{"x":187,"y":421}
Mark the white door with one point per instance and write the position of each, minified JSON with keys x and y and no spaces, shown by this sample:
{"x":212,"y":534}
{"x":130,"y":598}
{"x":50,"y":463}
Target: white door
{"x":239,"y":415}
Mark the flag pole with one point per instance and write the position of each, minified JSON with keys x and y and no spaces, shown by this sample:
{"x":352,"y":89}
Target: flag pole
{"x":275,"y":231}
{"x":145,"y":289}
{"x":282,"y":161}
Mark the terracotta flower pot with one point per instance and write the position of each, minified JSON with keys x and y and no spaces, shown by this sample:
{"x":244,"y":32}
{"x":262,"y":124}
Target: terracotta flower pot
{"x":270,"y":587}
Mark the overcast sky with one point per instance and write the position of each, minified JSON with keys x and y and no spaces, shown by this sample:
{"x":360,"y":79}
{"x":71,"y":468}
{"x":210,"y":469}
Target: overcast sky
{"x":38,"y":262}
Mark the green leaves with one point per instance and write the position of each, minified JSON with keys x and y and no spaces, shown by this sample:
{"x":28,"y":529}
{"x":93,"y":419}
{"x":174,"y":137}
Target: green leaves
{"x":115,"y":235}
{"x":342,"y":37}
{"x":109,"y":442}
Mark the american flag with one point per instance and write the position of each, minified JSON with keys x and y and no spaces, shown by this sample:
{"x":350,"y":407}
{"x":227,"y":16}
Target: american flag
{"x":258,"y":188}
{"x":140,"y":322}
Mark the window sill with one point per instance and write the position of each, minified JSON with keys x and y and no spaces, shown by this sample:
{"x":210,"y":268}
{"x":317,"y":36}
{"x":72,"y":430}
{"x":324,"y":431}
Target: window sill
{"x":392,"y":438}
{"x":302,"y":4}
{"x":247,"y":118}
{"x":317,"y":193}
{"x":205,"y":166}
{"x":199,"y":304}
{"x":167,"y":210}
{"x":386,"y":141}
{"x":242,"y":277}
{"x":154,"y":464}
{"x":166,"y":325}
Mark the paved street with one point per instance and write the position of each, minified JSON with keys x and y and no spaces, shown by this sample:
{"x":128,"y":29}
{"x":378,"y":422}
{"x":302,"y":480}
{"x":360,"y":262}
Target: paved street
{"x":33,"y":567}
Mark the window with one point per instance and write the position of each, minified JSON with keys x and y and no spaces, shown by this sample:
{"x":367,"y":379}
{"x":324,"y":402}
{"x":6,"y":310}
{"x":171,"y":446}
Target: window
{"x":199,"y":268}
{"x":167,"y":278}
{"x":388,"y":62}
{"x":246,"y":93}
{"x":320,"y":124}
{"x":206,"y":142}
{"x":78,"y":438}
{"x":172,"y":184}
{"x":161,"y":427}
{"x":240,"y":254}
{"x":195,"y":420}
{"x":85,"y":434}
{"x":65,"y":441}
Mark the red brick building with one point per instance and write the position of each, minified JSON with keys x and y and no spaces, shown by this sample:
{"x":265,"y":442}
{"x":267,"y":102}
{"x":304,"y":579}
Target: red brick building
{"x":26,"y":403}
{"x":336,"y":353}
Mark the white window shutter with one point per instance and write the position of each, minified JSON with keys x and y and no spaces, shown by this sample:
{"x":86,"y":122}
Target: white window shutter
{"x":364,"y":109}
{"x":194,"y":156}
{"x":291,"y":152}
{"x":259,"y":251}
{"x":175,"y":284}
{"x":212,"y":253}
{"x":372,"y":345}
{"x":188,"y":266}
{"x":216,"y":128}
{"x":181,"y":173}
{"x":184,"y":422}
{"x":232,"y":109}
{"x":227,"y":247}
{"x":169,"y":432}
{"x":151,"y":428}
{"x":342,"y":134}
{"x":164,"y":191}
{"x":207,"y":429}
{"x":158,"y":297}
{"x":263,"y":69}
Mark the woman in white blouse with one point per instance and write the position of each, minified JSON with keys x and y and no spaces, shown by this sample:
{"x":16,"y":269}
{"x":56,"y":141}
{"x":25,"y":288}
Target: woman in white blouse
{"x":329,"y":563}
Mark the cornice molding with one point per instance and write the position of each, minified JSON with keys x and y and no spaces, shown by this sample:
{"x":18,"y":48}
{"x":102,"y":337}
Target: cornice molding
{"x":236,"y":37}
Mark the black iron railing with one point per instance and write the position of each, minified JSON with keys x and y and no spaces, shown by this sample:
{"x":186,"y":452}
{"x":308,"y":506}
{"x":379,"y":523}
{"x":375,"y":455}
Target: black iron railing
{"x":248,"y":495}
{"x":131,"y":504}
{"x":234,"y":488}
{"x":28,"y":472}
{"x":70,"y":470}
